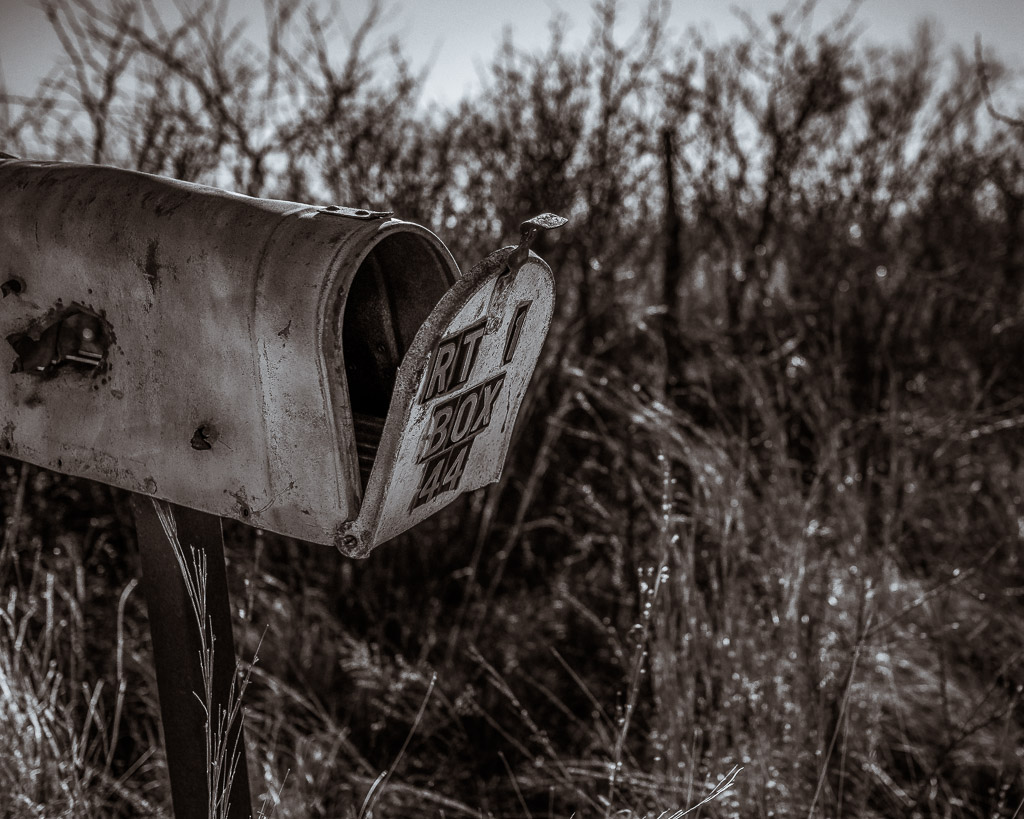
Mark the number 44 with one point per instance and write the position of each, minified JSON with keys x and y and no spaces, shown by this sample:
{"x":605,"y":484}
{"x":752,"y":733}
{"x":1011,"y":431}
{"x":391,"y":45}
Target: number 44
{"x":442,"y":473}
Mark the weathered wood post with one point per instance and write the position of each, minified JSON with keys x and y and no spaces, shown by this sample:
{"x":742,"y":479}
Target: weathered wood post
{"x":192,"y":705}
{"x":322,"y":372}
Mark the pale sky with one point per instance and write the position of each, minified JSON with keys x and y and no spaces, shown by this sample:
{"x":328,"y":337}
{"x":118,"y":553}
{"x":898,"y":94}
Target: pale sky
{"x":462,"y":35}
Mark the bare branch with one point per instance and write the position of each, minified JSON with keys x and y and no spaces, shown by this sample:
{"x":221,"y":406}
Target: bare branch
{"x":986,"y":91}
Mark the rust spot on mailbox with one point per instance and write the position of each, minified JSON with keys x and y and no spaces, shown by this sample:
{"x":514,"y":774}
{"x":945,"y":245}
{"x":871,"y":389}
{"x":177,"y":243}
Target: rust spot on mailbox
{"x":329,"y":366}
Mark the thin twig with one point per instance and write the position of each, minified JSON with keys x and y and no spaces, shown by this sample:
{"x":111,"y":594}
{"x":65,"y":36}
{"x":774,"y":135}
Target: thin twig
{"x":986,"y":90}
{"x":375,"y":792}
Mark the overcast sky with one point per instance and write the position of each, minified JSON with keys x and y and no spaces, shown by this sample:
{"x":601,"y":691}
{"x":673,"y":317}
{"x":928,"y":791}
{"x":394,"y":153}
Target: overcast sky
{"x":461,"y":35}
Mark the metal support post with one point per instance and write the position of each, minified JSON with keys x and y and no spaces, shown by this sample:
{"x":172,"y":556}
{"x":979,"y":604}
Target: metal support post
{"x":185,"y":583}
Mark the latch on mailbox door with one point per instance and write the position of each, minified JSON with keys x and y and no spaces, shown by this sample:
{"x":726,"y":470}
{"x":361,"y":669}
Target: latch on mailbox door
{"x":325,"y":373}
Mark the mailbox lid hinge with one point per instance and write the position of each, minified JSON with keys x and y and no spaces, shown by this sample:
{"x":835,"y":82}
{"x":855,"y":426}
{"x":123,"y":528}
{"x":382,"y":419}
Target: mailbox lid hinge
{"x":356,"y":213}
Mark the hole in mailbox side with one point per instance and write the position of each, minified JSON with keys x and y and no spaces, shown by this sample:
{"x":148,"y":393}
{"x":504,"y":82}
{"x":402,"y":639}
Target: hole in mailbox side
{"x":393,"y":291}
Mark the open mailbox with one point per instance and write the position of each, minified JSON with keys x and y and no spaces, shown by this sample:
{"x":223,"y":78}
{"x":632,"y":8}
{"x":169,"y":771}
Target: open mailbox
{"x":321,"y":372}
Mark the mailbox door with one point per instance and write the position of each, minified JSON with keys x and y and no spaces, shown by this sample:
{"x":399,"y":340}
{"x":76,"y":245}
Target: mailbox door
{"x":457,"y":393}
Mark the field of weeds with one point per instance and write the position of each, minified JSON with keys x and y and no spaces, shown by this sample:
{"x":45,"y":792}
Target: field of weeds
{"x":764,"y":506}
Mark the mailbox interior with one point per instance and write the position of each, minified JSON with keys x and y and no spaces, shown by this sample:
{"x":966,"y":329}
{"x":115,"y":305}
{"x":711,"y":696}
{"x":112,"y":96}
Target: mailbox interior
{"x":397,"y":284}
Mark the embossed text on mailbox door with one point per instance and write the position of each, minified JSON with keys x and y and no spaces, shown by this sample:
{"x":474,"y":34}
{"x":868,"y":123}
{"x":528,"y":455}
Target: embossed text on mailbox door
{"x":456,"y":421}
{"x":454,"y":425}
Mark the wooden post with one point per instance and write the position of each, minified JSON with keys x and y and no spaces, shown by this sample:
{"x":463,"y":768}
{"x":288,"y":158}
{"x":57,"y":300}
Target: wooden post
{"x":184,"y":580}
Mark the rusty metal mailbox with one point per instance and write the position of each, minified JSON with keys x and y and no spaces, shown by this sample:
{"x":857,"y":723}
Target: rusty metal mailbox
{"x":322,"y":372}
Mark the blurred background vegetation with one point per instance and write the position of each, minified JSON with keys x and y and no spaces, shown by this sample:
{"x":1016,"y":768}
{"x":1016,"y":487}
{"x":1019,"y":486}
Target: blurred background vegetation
{"x":765,"y":505}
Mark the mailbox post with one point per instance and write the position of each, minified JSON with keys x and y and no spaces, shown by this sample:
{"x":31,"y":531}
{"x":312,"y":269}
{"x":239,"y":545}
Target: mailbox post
{"x":322,"y":372}
{"x":185,"y":693}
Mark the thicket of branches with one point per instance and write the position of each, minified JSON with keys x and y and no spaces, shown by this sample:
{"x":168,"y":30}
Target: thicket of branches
{"x":766,"y":508}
